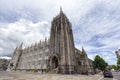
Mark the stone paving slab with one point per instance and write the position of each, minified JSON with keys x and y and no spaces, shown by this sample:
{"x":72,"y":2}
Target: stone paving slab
{"x":37,"y":76}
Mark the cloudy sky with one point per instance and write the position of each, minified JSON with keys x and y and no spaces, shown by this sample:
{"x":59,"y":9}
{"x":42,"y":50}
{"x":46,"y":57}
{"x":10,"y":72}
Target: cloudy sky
{"x":95,"y":23}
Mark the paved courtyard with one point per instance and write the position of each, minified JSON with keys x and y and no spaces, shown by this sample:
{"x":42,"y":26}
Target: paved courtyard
{"x":38,"y":76}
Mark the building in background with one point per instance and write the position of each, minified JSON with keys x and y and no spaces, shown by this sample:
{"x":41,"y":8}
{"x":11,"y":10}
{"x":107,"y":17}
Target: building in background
{"x":118,"y":53}
{"x":55,"y":55}
{"x":4,"y":64}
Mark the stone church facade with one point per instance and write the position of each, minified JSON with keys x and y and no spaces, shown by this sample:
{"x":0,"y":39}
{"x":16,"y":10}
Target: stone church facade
{"x":55,"y":55}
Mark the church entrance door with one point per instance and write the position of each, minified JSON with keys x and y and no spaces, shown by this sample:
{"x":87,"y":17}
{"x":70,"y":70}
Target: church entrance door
{"x":54,"y":62}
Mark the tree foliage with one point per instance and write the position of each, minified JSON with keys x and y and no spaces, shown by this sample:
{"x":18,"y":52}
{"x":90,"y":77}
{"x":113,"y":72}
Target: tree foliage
{"x":114,"y":67}
{"x":99,"y":63}
{"x":118,"y":63}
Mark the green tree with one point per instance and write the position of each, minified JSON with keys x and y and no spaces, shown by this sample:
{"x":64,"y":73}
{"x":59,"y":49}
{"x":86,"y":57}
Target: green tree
{"x":114,"y":67}
{"x":118,"y":63}
{"x":99,"y":63}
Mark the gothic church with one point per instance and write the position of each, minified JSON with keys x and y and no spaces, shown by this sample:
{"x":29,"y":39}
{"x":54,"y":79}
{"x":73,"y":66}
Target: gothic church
{"x":55,"y":55}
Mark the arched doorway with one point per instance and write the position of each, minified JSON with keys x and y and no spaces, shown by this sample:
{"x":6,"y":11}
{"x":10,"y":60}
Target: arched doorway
{"x":79,"y":63}
{"x":54,"y":62}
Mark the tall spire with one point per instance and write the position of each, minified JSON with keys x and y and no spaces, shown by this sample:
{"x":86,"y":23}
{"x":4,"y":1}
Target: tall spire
{"x":83,"y":51}
{"x":16,"y":47}
{"x":82,"y":48}
{"x":61,"y":9}
{"x":21,"y":45}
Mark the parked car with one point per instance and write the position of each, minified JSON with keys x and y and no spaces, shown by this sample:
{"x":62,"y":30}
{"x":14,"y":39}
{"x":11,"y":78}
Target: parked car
{"x":107,"y":73}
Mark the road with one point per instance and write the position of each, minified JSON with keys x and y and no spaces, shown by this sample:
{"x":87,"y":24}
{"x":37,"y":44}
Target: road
{"x":37,"y":76}
{"x":116,"y":76}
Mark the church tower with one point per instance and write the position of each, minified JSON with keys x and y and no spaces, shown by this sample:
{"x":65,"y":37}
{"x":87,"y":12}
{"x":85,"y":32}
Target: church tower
{"x":62,"y":46}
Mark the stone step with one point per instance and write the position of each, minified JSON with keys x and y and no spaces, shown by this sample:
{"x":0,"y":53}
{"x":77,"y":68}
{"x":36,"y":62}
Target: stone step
{"x":53,"y":71}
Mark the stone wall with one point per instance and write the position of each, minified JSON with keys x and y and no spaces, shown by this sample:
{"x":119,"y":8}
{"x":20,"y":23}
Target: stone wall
{"x":83,"y":63}
{"x":35,"y":57}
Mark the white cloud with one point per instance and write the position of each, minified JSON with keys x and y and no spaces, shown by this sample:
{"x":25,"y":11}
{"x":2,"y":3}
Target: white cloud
{"x":98,"y":30}
{"x":5,"y":57}
{"x":12,"y":34}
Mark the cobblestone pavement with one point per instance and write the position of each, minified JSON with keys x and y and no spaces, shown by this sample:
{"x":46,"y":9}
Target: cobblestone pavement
{"x":38,"y":76}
